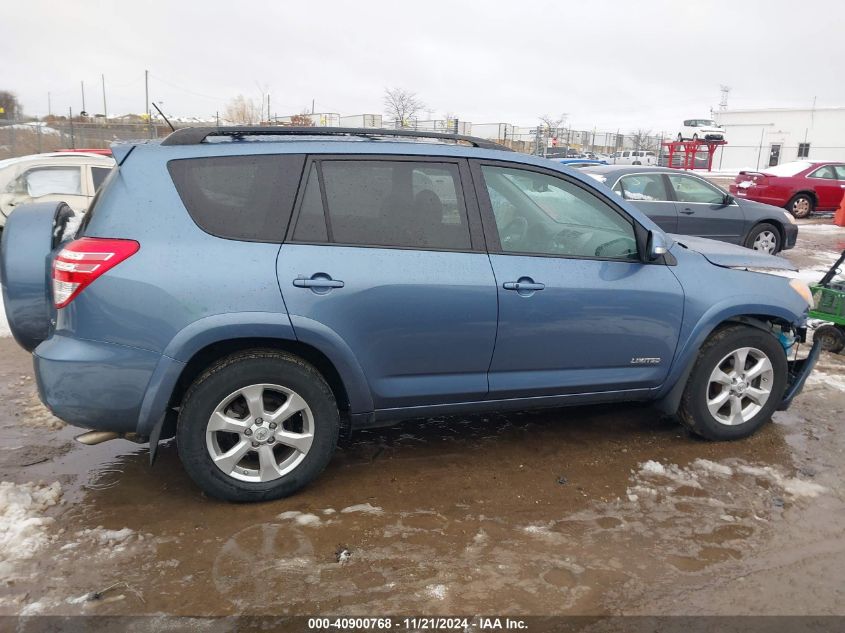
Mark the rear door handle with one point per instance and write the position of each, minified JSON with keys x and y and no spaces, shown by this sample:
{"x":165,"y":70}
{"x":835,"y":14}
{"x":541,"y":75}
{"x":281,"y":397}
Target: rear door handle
{"x":318,"y":281}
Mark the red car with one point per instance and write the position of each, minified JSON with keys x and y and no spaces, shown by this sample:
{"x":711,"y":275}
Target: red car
{"x":800,"y":187}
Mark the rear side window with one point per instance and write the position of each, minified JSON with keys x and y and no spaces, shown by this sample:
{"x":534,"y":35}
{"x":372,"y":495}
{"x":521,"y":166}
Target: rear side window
{"x":98,"y":176}
{"x":239,"y":197}
{"x":404,"y":204}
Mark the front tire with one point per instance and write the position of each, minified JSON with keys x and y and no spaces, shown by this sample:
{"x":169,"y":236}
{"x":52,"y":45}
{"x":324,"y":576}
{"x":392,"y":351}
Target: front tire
{"x":801,"y":206}
{"x":764,"y":238}
{"x":256,"y":426}
{"x":737,"y":383}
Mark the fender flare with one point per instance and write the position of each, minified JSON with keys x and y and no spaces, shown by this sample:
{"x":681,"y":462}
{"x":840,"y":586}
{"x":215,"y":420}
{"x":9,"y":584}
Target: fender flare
{"x":247,"y":325}
{"x":723,"y":312}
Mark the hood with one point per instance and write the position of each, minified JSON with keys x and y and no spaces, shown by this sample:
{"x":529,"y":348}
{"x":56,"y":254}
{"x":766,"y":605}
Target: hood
{"x":731,"y":255}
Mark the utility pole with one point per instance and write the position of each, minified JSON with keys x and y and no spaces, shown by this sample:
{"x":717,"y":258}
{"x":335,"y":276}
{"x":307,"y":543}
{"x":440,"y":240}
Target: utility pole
{"x":70,"y":118}
{"x":105,"y":109}
{"x":147,"y":101}
{"x":49,"y":105}
{"x":82,"y":85}
{"x":268,"y":107}
{"x":312,"y":106}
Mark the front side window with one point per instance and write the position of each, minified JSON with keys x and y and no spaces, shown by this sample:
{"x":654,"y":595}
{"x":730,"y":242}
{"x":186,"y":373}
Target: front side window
{"x":840,"y":172}
{"x":689,"y":189}
{"x":825,"y":172}
{"x":396,"y":204}
{"x":642,"y":187}
{"x":46,"y":181}
{"x":541,"y":214}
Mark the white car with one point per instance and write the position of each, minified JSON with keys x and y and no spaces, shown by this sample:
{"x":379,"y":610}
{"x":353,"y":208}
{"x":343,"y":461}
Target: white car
{"x":71,"y":177}
{"x":701,"y":130}
{"x":633,"y":157}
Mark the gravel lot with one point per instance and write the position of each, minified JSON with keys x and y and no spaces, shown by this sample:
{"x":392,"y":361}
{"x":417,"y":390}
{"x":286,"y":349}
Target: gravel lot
{"x":601,"y":510}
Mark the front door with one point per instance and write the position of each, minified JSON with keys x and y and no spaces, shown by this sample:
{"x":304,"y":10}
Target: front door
{"x":578,"y":311}
{"x":702,"y":210}
{"x":47,"y":184}
{"x":386,"y":258}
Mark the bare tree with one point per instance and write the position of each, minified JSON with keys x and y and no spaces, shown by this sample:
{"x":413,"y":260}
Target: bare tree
{"x":401,"y":105}
{"x":302,"y":120}
{"x":644,"y":139}
{"x":553,"y":124}
{"x":10,"y":105}
{"x":242,"y":111}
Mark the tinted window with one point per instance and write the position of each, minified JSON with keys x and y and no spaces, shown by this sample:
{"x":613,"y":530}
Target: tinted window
{"x":395,"y":203}
{"x":642,"y":187}
{"x":825,"y":172}
{"x":311,"y":225}
{"x":99,"y":175}
{"x":239,"y":197}
{"x":540,"y":214}
{"x":694,"y":190}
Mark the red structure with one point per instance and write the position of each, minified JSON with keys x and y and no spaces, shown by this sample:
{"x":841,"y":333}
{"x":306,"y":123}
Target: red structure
{"x":682,"y":153}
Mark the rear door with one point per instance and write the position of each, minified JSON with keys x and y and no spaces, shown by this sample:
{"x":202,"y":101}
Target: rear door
{"x":49,"y":183}
{"x":578,"y":311}
{"x":649,"y":192}
{"x":702,"y":210}
{"x":385,"y":255}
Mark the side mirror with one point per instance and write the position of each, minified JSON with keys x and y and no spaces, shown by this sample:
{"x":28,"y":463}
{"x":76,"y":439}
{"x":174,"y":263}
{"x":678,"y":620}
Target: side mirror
{"x":656,"y":246}
{"x":728,"y":200}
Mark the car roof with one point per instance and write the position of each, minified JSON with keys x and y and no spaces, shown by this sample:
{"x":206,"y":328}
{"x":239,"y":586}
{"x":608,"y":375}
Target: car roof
{"x":79,"y":158}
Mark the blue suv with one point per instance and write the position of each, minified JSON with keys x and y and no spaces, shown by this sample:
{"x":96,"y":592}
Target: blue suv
{"x":255,"y":292}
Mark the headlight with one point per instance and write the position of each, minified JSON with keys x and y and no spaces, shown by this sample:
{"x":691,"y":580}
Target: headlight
{"x":802,"y":289}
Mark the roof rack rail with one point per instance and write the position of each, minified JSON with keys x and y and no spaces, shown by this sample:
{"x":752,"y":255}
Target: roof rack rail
{"x":196,"y":135}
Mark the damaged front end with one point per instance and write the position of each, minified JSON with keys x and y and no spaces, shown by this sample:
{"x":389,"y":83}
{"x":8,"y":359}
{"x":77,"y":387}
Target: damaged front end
{"x":799,"y":369}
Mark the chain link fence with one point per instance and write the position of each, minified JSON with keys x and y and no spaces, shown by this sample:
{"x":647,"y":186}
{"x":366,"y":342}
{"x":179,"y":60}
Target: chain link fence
{"x":20,"y":138}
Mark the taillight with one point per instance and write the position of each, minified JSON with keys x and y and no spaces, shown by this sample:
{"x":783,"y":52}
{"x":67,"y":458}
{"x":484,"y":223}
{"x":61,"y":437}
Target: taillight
{"x":82,"y":261}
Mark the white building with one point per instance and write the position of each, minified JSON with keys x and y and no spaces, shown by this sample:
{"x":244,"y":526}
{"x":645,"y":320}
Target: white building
{"x":771,"y":136}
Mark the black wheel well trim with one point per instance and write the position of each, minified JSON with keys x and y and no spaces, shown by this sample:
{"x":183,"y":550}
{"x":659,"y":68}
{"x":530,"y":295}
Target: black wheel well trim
{"x":670,"y":403}
{"x":214,"y":352}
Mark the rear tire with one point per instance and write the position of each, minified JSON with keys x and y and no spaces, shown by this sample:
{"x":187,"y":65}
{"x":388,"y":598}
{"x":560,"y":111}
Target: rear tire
{"x":764,"y":238}
{"x":832,"y":337}
{"x":256,"y":426}
{"x":801,"y":206}
{"x":726,"y":398}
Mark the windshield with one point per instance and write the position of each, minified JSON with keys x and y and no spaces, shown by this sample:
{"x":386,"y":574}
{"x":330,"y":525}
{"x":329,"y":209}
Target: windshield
{"x":789,"y":169}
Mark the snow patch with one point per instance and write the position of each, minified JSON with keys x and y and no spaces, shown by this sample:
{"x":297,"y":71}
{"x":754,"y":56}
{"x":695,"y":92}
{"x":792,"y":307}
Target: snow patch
{"x":366,"y":508}
{"x":4,"y":324}
{"x":438,"y":592}
{"x":829,"y":380}
{"x":23,"y":529}
{"x":300,"y":518}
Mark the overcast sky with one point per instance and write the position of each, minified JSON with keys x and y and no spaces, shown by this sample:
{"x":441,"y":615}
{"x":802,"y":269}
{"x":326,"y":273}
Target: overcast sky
{"x":608,"y":64}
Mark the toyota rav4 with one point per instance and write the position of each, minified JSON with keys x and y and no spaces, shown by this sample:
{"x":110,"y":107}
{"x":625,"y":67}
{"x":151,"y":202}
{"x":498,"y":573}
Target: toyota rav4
{"x":256,"y":292}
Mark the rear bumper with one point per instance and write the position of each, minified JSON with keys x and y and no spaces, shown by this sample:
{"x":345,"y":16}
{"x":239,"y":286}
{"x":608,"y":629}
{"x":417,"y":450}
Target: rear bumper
{"x":92,"y":384}
{"x":799,"y":371}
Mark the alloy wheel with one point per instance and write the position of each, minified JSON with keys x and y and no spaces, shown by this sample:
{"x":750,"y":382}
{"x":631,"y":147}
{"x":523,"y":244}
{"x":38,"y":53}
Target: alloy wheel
{"x":739,"y":386}
{"x":260,"y":433}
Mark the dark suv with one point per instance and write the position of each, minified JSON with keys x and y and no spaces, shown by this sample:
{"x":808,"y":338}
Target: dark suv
{"x":253,"y":291}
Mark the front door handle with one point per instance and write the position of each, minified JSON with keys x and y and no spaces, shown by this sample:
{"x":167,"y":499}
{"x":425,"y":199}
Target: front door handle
{"x":525,"y":286}
{"x":318,"y":282}
{"x":688,"y":212}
